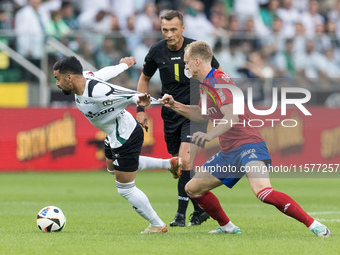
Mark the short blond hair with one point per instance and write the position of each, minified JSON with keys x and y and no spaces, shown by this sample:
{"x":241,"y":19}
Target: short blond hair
{"x":199,"y":49}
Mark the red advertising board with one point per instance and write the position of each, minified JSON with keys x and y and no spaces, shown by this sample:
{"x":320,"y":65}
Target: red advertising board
{"x":48,"y":139}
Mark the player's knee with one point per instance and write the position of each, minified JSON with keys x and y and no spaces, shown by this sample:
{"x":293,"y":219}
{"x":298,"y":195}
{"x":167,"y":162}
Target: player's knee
{"x":192,"y":190}
{"x":125,"y":189}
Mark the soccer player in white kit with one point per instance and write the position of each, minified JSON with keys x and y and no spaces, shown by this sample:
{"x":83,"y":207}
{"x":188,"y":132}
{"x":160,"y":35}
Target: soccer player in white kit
{"x":103,"y":104}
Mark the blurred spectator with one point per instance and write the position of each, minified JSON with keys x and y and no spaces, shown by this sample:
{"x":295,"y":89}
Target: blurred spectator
{"x":234,"y":27}
{"x":219,"y":19}
{"x":69,"y":16}
{"x":249,"y":34}
{"x":30,"y":30}
{"x":230,"y":58}
{"x":125,"y":9}
{"x":321,"y":39}
{"x":289,"y":16}
{"x":301,"y":5}
{"x":275,"y":40}
{"x":95,"y":5}
{"x":312,"y":17}
{"x":309,"y":65}
{"x":249,"y":9}
{"x":334,"y":15}
{"x":257,"y":70}
{"x":331,"y":66}
{"x":57,"y":27}
{"x":197,"y":24}
{"x":107,"y":55}
{"x":145,"y":20}
{"x":269,"y":13}
{"x":96,"y":21}
{"x":6,"y":15}
{"x":132,"y":39}
{"x":331,"y":32}
{"x":244,"y":9}
{"x":299,"y":45}
{"x":284,"y":61}
{"x":168,"y":4}
{"x":139,"y":53}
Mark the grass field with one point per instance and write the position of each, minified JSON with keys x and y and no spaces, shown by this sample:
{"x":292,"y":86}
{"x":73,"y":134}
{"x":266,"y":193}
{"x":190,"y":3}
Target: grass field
{"x":99,"y":221}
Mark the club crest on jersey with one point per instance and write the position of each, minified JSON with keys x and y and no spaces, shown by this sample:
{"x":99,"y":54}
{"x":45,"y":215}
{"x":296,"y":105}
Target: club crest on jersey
{"x":108,"y":102}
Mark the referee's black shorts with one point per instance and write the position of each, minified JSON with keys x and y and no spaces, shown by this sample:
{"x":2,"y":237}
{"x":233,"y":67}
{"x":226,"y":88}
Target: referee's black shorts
{"x":178,"y":132}
{"x":126,"y":157}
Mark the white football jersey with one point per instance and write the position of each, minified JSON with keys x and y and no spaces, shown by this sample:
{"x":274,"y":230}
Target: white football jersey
{"x":103,"y":104}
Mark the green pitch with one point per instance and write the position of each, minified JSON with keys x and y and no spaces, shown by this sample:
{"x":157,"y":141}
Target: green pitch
{"x":99,"y":221}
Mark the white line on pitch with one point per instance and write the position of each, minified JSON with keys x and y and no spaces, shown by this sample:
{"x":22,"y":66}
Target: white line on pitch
{"x":327,"y":212}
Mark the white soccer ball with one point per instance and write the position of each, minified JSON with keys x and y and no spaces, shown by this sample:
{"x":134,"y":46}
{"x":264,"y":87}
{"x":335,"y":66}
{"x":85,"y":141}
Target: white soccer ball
{"x":51,"y":219}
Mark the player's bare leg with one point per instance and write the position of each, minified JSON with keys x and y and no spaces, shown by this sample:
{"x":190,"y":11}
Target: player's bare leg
{"x":199,"y":189}
{"x":173,"y":165}
{"x":258,"y":176}
{"x":125,"y":182}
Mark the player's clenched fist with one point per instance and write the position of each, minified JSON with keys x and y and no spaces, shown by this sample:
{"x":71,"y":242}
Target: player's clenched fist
{"x":167,"y":100}
{"x":130,"y":61}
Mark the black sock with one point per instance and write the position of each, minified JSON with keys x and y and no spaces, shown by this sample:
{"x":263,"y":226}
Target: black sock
{"x":183,"y":198}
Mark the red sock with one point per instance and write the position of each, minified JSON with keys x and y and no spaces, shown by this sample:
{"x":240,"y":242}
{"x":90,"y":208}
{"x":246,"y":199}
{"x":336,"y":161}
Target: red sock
{"x":285,"y":204}
{"x":209,"y":202}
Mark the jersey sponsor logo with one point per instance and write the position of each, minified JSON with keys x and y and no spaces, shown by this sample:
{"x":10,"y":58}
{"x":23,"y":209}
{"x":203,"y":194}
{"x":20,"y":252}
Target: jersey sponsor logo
{"x":212,"y":110}
{"x":92,"y":115}
{"x":115,"y":163}
{"x":90,"y":73}
{"x":246,"y":152}
{"x":175,"y":58}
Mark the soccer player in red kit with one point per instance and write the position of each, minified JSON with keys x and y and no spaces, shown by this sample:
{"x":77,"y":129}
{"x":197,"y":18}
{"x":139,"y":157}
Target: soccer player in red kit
{"x":243,"y":149}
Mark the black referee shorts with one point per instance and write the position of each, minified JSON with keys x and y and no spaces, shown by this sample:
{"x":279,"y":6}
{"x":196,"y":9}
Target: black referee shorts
{"x":126,"y":157}
{"x":177,"y":133}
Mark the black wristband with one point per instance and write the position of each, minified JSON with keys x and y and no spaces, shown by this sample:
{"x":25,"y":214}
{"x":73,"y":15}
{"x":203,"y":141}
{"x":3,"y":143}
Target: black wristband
{"x":140,"y":109}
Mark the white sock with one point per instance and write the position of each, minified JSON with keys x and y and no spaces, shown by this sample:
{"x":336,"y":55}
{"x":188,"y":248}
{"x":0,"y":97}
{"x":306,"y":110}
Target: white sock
{"x":140,"y":202}
{"x":313,"y":225}
{"x":229,"y":227}
{"x":148,"y":163}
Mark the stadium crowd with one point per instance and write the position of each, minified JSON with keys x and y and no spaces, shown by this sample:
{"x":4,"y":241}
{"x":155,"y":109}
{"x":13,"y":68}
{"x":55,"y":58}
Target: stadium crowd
{"x":264,"y":39}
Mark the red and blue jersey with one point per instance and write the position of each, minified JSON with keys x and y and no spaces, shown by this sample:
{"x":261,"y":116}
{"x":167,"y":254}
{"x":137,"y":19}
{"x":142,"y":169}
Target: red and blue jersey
{"x":239,"y":134}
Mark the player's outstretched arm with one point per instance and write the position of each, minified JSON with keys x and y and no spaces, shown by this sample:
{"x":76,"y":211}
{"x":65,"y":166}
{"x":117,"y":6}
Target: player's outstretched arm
{"x":110,"y":72}
{"x":192,"y":112}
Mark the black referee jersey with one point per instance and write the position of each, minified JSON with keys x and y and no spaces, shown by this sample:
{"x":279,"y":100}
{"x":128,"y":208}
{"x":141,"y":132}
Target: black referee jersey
{"x":173,"y":75}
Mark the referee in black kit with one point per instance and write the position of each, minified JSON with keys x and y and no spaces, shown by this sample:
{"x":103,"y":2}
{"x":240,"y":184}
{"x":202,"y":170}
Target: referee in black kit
{"x":168,"y":56}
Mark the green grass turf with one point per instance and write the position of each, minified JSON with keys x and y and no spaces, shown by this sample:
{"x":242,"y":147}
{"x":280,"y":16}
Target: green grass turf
{"x":99,"y":221}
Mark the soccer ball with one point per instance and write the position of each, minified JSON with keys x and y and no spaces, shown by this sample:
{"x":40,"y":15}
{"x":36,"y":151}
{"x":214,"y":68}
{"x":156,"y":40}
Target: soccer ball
{"x":51,"y":219}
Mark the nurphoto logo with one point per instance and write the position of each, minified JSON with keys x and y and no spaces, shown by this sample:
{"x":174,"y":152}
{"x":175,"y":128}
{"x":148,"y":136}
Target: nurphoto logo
{"x":238,"y":104}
